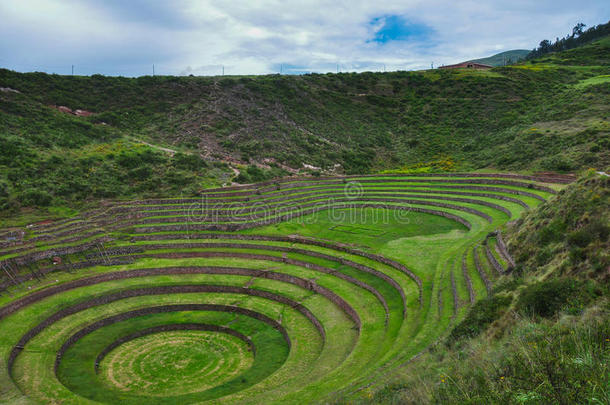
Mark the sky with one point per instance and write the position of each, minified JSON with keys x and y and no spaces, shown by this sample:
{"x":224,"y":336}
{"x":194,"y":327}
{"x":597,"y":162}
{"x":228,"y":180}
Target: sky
{"x":203,"y":37}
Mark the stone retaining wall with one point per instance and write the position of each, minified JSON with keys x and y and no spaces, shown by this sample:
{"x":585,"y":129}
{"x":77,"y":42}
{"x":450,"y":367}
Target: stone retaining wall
{"x":300,"y":263}
{"x":471,"y":294}
{"x":456,"y":302}
{"x":247,"y":202}
{"x":256,"y":193}
{"x":288,"y":180}
{"x":281,"y":215}
{"x":493,"y":261}
{"x":138,"y":292}
{"x":504,"y":250}
{"x":225,"y":227}
{"x":313,"y":242}
{"x":244,"y":211}
{"x":482,"y":274}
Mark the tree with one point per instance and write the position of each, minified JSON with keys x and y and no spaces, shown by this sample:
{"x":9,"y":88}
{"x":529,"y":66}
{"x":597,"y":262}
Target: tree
{"x":578,"y":38}
{"x":544,"y":46}
{"x":577,"y":30}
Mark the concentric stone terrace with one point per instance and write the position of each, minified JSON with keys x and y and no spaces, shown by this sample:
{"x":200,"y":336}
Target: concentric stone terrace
{"x":298,"y":291}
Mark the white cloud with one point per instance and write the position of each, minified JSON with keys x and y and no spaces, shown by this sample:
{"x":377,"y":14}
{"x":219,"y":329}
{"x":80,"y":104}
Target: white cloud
{"x":251,"y":37}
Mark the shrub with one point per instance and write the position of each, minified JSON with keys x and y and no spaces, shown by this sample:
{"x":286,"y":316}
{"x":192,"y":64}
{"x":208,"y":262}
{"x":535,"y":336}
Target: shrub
{"x":243,"y":178}
{"x":140,"y":173}
{"x":544,"y":255}
{"x":357,"y":162}
{"x":553,"y":232}
{"x":557,"y":163}
{"x":509,"y":284}
{"x":4,"y":190}
{"x":188,"y":162}
{"x":580,"y":238}
{"x":253,"y":174}
{"x":547,"y":298}
{"x":595,"y":230}
{"x":132,"y":160}
{"x":481,"y":314}
{"x":7,"y":204}
{"x":35,"y":197}
{"x":178,"y":178}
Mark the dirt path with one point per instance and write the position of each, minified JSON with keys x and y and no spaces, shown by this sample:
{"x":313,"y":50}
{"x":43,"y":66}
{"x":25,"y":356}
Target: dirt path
{"x":168,"y":150}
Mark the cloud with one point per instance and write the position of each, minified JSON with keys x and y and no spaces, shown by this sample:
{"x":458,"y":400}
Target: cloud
{"x":253,"y":37}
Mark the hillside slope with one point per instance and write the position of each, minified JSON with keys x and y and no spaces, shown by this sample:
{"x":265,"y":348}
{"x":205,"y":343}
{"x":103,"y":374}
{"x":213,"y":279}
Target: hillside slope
{"x":503,"y":58}
{"x":549,"y":114}
{"x":569,"y":235}
{"x":541,"y":337}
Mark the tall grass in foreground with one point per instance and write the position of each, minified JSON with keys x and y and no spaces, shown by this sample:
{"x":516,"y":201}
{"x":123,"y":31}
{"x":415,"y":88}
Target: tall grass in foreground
{"x":563,"y":361}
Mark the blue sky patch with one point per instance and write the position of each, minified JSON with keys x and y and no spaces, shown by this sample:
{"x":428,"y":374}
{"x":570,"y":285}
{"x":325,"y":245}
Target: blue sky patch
{"x":397,"y":28}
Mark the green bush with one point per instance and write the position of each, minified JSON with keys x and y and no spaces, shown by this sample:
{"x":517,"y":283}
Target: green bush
{"x":595,"y":230}
{"x":140,"y":173}
{"x":178,"y":178}
{"x":7,"y":204}
{"x":357,"y":162}
{"x":35,"y":198}
{"x":243,"y":178}
{"x":553,"y":232}
{"x":4,"y":190}
{"x":132,"y":160}
{"x":254,"y":174}
{"x":544,"y":255}
{"x":557,"y":163}
{"x":507,"y":284}
{"x":188,"y":162}
{"x":547,"y":298}
{"x":482,"y":313}
{"x":580,"y":238}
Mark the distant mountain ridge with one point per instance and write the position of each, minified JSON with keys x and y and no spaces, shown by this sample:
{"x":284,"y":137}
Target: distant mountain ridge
{"x":503,"y":58}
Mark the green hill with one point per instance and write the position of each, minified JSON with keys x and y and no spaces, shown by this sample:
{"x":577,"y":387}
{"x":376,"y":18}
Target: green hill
{"x":503,"y":58}
{"x":543,"y":115}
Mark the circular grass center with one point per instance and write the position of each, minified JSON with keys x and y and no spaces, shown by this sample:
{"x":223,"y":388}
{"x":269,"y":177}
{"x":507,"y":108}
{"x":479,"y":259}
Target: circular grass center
{"x":177,"y":362}
{"x":190,"y":364}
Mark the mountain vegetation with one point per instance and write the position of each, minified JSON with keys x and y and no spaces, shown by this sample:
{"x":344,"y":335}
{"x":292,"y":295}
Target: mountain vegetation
{"x":152,"y":136}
